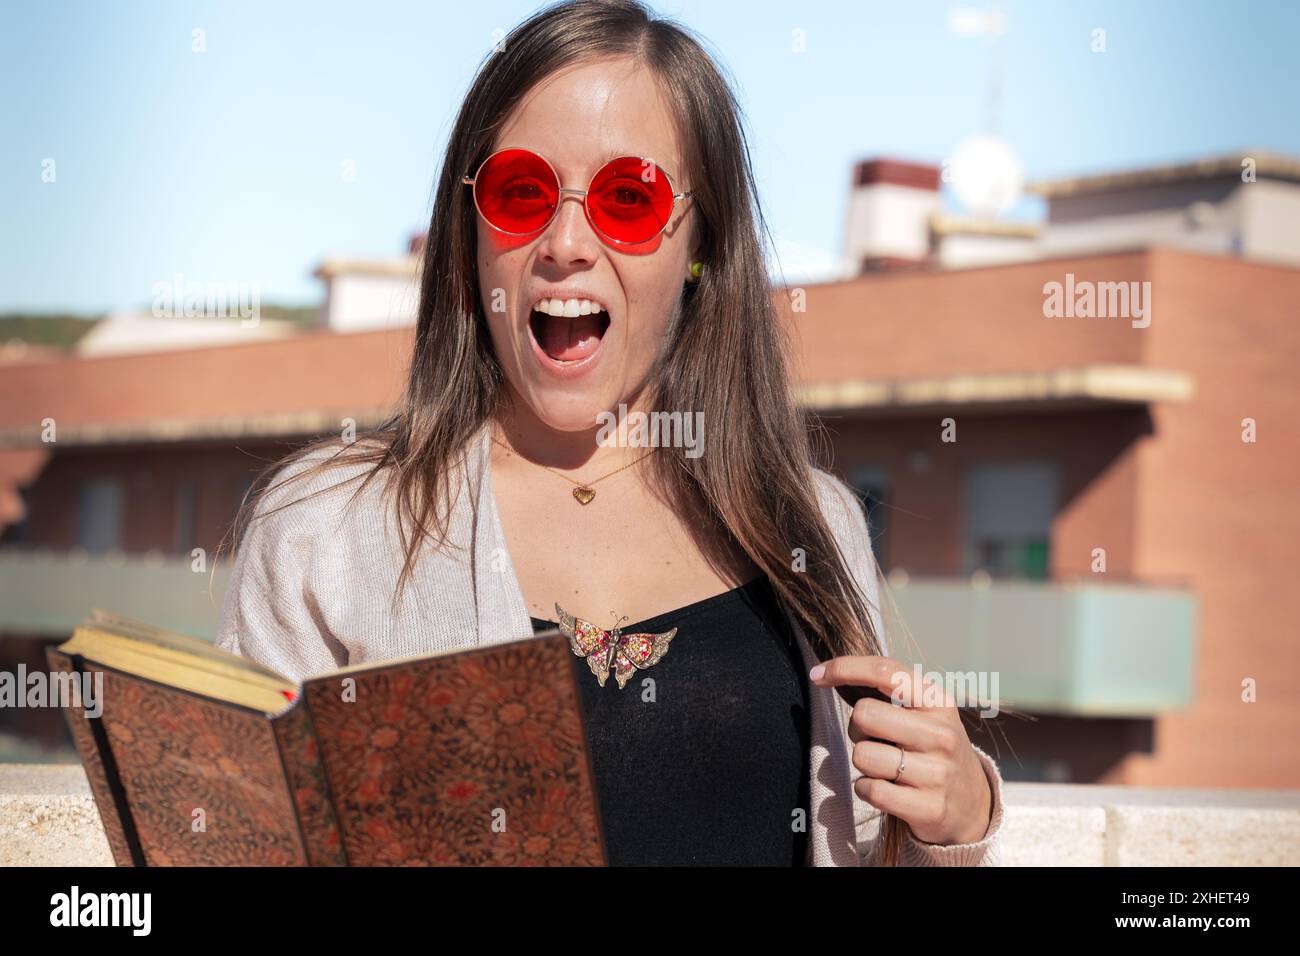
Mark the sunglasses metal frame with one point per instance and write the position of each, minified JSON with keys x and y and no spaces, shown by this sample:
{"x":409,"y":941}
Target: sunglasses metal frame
{"x":471,"y":180}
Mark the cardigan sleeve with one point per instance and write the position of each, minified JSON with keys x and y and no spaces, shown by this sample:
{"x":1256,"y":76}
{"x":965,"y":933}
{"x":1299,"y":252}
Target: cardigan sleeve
{"x":848,"y":521}
{"x":270,"y":613}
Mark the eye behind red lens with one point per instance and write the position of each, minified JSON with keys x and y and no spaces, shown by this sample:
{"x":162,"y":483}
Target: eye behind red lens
{"x":630,"y":200}
{"x":516,"y":191}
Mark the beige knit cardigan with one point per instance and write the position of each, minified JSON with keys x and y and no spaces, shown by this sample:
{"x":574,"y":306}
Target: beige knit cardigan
{"x":312,"y":583}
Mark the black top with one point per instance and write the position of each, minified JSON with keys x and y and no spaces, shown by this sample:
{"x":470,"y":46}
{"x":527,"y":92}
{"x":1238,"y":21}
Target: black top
{"x":703,"y":757}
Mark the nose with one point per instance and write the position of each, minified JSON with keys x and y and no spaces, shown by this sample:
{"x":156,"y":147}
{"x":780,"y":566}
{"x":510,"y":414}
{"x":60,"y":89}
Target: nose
{"x":569,"y":239}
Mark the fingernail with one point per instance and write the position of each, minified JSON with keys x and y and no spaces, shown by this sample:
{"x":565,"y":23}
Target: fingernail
{"x":817,"y":672}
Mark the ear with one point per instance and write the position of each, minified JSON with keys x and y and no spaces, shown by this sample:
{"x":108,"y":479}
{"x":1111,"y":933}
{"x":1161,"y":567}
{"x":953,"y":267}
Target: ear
{"x":692,"y":256}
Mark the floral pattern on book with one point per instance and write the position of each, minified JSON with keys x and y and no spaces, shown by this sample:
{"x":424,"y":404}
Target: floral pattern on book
{"x":521,"y":795}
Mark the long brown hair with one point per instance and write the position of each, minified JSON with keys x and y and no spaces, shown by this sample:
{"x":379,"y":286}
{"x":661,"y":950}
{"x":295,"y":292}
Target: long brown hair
{"x":725,"y":354}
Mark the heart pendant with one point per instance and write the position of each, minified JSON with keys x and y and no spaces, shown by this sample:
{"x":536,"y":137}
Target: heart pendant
{"x":584,"y":495}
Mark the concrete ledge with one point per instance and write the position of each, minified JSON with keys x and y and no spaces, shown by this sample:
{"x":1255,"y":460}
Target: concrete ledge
{"x":48,"y":818}
{"x":1087,"y":825}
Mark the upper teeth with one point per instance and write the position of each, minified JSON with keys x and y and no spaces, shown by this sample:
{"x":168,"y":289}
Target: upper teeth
{"x":568,"y":307}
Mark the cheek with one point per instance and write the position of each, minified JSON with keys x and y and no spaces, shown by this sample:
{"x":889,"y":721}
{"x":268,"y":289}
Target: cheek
{"x":654,"y":317}
{"x":499,"y":262}
{"x":494,"y":285}
{"x":490,"y":280}
{"x":500,"y":326}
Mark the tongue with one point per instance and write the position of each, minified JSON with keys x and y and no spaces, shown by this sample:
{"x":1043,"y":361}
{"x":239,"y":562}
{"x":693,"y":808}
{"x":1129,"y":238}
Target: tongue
{"x":568,"y":339}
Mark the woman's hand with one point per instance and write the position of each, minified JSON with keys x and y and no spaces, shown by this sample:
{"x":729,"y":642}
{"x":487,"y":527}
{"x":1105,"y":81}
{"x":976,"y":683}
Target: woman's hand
{"x":943,"y":793}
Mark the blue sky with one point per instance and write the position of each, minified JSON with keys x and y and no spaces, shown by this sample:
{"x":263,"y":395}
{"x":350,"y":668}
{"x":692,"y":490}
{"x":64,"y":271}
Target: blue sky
{"x":227,"y":165}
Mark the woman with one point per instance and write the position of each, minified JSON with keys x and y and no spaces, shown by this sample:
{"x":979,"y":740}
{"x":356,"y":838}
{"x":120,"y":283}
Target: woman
{"x":497,"y":503}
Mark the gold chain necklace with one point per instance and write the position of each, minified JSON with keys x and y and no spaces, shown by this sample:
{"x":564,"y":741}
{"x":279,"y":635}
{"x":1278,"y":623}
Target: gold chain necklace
{"x":583,"y":493}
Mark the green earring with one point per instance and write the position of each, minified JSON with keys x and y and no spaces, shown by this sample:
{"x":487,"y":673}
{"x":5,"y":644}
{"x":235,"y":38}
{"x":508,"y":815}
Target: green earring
{"x":696,"y":269}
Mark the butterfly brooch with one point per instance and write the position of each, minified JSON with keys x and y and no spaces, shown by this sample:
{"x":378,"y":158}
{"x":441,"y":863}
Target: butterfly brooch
{"x":604,"y":649}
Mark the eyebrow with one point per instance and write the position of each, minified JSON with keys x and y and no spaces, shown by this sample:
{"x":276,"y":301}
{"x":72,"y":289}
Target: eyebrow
{"x":616,"y":153}
{"x":623,"y":151}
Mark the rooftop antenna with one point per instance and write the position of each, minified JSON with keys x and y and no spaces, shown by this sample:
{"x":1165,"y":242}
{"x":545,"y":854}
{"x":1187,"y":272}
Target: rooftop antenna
{"x":985,"y":171}
{"x":991,"y":23}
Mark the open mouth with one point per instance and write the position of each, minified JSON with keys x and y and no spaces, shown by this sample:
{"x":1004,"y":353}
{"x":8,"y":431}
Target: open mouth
{"x":568,"y":339}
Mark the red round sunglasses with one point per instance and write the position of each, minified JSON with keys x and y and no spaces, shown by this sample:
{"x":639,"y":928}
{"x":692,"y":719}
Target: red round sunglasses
{"x":628,"y":201}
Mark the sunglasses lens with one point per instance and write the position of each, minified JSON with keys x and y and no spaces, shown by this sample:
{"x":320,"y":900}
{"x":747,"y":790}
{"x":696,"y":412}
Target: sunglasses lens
{"x":517,"y":191}
{"x":630,"y":200}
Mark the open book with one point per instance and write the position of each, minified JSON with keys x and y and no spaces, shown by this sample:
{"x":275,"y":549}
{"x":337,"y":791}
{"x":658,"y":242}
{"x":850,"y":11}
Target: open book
{"x":200,"y":757}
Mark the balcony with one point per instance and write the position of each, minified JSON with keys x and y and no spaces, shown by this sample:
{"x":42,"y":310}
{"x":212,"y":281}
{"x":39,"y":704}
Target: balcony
{"x":1073,"y":649}
{"x":1069,"y":648}
{"x":44,"y":592}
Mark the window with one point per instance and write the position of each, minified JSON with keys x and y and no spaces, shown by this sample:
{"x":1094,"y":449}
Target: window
{"x":241,"y":486}
{"x":20,"y":532}
{"x":1009,"y":508}
{"x":872,"y":485}
{"x":100,"y":507}
{"x":187,"y":502}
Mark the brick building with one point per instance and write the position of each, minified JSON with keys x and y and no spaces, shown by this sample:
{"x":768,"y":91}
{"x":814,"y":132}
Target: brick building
{"x":1073,"y":501}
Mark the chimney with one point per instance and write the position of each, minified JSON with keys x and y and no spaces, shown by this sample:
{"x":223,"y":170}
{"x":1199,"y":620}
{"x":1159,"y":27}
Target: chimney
{"x":890,"y":206}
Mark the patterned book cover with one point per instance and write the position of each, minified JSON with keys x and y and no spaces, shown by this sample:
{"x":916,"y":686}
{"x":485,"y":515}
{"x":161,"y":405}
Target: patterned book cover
{"x":477,"y":758}
{"x":109,"y":801}
{"x":300,"y":755}
{"x":200,"y":781}
{"x":473,"y":759}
